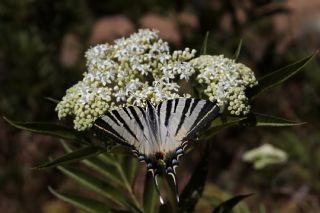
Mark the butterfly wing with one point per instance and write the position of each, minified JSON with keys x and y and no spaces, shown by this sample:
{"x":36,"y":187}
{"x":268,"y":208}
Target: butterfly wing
{"x":163,"y":128}
{"x":180,"y":119}
{"x":127,"y":126}
{"x":154,"y":129}
{"x":201,"y":112}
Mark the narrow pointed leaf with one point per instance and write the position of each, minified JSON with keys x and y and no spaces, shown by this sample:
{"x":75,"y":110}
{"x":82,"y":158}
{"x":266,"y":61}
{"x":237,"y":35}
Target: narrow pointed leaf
{"x":108,"y":158}
{"x":108,"y":166}
{"x":100,"y":187}
{"x":50,"y":129}
{"x":79,"y":154}
{"x":205,"y":44}
{"x":225,"y":121}
{"x":193,"y":190}
{"x":237,"y":53}
{"x":120,"y":150}
{"x":124,"y":177}
{"x":113,"y":160}
{"x":55,"y":101}
{"x":86,"y":204}
{"x":109,"y":171}
{"x":228,"y":205}
{"x":257,"y":119}
{"x":150,"y":196}
{"x":277,"y":77}
{"x":220,"y":123}
{"x":130,"y":165}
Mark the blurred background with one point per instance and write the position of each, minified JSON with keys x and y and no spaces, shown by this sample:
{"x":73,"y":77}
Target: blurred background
{"x":42,"y":45}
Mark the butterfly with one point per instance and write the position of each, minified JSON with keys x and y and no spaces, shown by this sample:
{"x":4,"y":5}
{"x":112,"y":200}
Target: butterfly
{"x":158,"y":134}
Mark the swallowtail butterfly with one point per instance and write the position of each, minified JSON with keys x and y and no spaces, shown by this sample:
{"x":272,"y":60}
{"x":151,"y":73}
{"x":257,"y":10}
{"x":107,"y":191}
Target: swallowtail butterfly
{"x":158,"y":134}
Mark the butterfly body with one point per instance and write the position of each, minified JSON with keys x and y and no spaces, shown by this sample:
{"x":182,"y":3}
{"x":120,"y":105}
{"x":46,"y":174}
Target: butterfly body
{"x":158,"y":134}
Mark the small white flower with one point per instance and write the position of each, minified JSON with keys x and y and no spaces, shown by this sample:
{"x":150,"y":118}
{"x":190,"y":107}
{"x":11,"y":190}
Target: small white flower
{"x":226,"y":81}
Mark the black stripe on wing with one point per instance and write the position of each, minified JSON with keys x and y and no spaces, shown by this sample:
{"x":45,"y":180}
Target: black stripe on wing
{"x":184,"y":114}
{"x":175,"y":105}
{"x":127,"y":112}
{"x":103,"y":130}
{"x":136,"y":117}
{"x":123,"y":122}
{"x":208,"y":113}
{"x":152,"y":119}
{"x":168,"y":112}
{"x":184,"y":117}
{"x":124,"y":125}
{"x":194,"y":104}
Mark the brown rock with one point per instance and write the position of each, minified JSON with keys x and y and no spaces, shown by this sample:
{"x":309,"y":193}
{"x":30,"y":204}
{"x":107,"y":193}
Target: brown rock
{"x":167,"y":27}
{"x":109,"y":28}
{"x":188,"y":19}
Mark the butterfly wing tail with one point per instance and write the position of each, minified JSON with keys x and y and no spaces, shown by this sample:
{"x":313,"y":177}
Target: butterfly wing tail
{"x":173,"y":177}
{"x":156,"y":184}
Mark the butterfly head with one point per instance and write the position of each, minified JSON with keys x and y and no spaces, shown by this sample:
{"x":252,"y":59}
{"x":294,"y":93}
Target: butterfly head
{"x":162,"y":161}
{"x":160,"y":158}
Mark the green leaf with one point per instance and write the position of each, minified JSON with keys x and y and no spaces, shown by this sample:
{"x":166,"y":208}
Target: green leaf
{"x":225,"y":121}
{"x":130,"y":166}
{"x":193,"y":190}
{"x":277,"y":77}
{"x":228,"y":205}
{"x":79,"y":154}
{"x":109,"y":171}
{"x":108,"y":166}
{"x":237,"y":53}
{"x":150,"y":195}
{"x":257,"y":119}
{"x":111,"y":159}
{"x":55,"y":101}
{"x":205,"y":44}
{"x":220,"y":123}
{"x":86,"y":204}
{"x":252,"y":119}
{"x":50,"y":129}
{"x":124,"y":177}
{"x":100,"y":187}
{"x":119,"y":149}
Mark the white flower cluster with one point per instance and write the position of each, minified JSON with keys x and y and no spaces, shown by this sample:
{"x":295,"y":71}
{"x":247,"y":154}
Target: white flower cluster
{"x":225,"y":81}
{"x":141,"y":67}
{"x":128,"y":72}
{"x":264,"y":156}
